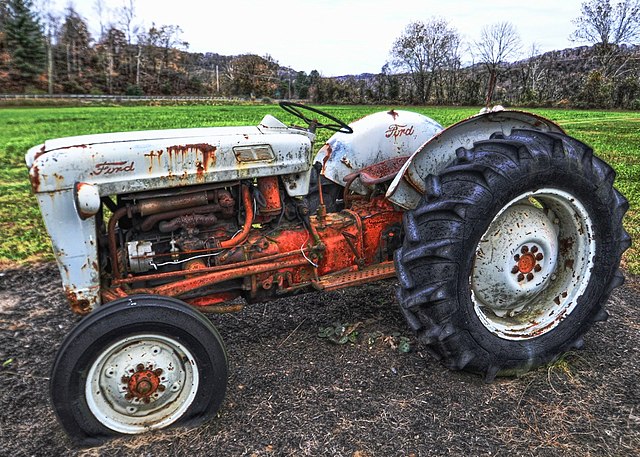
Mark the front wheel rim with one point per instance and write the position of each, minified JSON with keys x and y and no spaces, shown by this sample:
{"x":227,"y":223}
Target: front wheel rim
{"x":532,"y":264}
{"x":141,"y":383}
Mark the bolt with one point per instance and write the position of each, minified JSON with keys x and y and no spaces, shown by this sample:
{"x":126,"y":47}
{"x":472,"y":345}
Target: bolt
{"x":144,"y":387}
{"x":520,"y":277}
{"x":530,"y":277}
{"x":537,"y":268}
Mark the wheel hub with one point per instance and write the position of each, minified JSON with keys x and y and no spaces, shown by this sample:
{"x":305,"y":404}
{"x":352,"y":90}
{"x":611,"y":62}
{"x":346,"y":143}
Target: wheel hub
{"x":532,"y":264}
{"x":515,"y":259}
{"x":141,"y":382}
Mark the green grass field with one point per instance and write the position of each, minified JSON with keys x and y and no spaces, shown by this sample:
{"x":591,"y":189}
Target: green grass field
{"x":614,"y":136}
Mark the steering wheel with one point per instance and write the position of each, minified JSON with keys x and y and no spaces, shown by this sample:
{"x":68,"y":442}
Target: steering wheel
{"x":297,"y":110}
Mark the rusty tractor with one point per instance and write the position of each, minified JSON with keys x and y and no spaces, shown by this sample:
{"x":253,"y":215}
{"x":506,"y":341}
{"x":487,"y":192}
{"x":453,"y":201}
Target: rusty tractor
{"x":504,"y":235}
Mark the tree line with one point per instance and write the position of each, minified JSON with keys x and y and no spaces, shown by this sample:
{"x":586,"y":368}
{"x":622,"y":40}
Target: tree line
{"x":45,"y":52}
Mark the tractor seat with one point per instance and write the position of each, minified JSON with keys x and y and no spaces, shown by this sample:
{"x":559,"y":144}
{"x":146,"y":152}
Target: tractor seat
{"x":379,"y":172}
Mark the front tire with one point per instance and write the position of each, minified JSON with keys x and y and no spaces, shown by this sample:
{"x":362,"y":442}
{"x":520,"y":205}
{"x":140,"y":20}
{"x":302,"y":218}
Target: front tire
{"x":138,"y":364}
{"x":511,"y":254}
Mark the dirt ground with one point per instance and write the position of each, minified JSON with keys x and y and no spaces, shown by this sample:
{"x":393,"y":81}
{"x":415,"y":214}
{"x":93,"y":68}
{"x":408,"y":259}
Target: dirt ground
{"x":294,"y":393}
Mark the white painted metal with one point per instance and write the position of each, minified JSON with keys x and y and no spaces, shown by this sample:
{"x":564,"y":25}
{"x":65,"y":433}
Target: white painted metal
{"x":128,"y":162}
{"x":532,"y":264}
{"x":75,"y":246}
{"x":408,"y":186}
{"x":375,"y":138}
{"x":87,"y":200}
{"x":106,"y":387}
{"x":119,"y":163}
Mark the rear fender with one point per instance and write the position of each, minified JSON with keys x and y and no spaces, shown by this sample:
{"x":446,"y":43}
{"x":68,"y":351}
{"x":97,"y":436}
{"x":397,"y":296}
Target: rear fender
{"x":431,"y":158}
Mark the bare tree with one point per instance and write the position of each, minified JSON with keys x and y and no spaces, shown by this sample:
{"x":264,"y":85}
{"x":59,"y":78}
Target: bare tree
{"x":126,"y":17}
{"x":607,"y":26}
{"x":604,"y":24}
{"x":422,"y":50}
{"x":498,"y":43}
{"x":51,"y":23}
{"x":531,"y":71}
{"x":102,"y":12}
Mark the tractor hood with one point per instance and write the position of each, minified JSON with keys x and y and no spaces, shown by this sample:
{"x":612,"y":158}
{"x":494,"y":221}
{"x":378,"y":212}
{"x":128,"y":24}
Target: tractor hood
{"x":146,"y":160}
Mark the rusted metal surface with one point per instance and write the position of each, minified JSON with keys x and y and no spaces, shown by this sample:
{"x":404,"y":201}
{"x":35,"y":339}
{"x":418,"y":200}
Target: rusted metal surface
{"x":187,"y":285}
{"x":164,"y":204}
{"x":143,"y":383}
{"x":155,"y":206}
{"x":113,"y":242}
{"x":284,"y":262}
{"x":248,"y":220}
{"x":151,"y":221}
{"x":270,"y":191}
{"x":186,"y":221}
{"x":81,"y":306}
{"x":341,"y":280}
{"x":383,"y":171}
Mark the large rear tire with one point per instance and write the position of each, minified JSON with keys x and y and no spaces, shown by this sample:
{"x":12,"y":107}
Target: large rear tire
{"x":512,"y":252}
{"x":138,"y":364}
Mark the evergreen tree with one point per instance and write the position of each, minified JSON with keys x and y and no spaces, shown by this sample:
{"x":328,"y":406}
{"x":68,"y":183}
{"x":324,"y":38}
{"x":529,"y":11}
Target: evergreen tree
{"x":25,"y":41}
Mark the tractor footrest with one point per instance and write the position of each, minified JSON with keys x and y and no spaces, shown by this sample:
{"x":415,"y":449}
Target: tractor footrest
{"x":376,"y":272}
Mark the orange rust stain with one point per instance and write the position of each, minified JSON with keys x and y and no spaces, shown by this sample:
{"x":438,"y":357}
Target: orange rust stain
{"x":200,"y":170}
{"x":526,"y":263}
{"x":208,"y":154}
{"x":327,"y":156}
{"x":78,"y":305}
{"x":39,"y":153}
{"x":154,"y":154}
{"x":35,"y":178}
{"x":59,"y":179}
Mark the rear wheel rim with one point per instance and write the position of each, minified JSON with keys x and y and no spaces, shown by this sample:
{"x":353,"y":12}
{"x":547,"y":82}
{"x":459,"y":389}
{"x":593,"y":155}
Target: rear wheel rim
{"x":532,"y":264}
{"x":141,"y":383}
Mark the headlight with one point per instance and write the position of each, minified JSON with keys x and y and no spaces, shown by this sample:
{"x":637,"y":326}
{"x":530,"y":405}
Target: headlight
{"x":87,"y":199}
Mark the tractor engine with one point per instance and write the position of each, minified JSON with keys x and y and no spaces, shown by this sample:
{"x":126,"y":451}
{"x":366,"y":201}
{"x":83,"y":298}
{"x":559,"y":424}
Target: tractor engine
{"x":215,"y":236}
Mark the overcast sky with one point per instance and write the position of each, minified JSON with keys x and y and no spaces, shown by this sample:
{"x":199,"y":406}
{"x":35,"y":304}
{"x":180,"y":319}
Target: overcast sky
{"x":339,"y":37}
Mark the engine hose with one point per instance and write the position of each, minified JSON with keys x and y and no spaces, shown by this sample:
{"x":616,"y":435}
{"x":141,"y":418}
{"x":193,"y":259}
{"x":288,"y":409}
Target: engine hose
{"x":248,"y":208}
